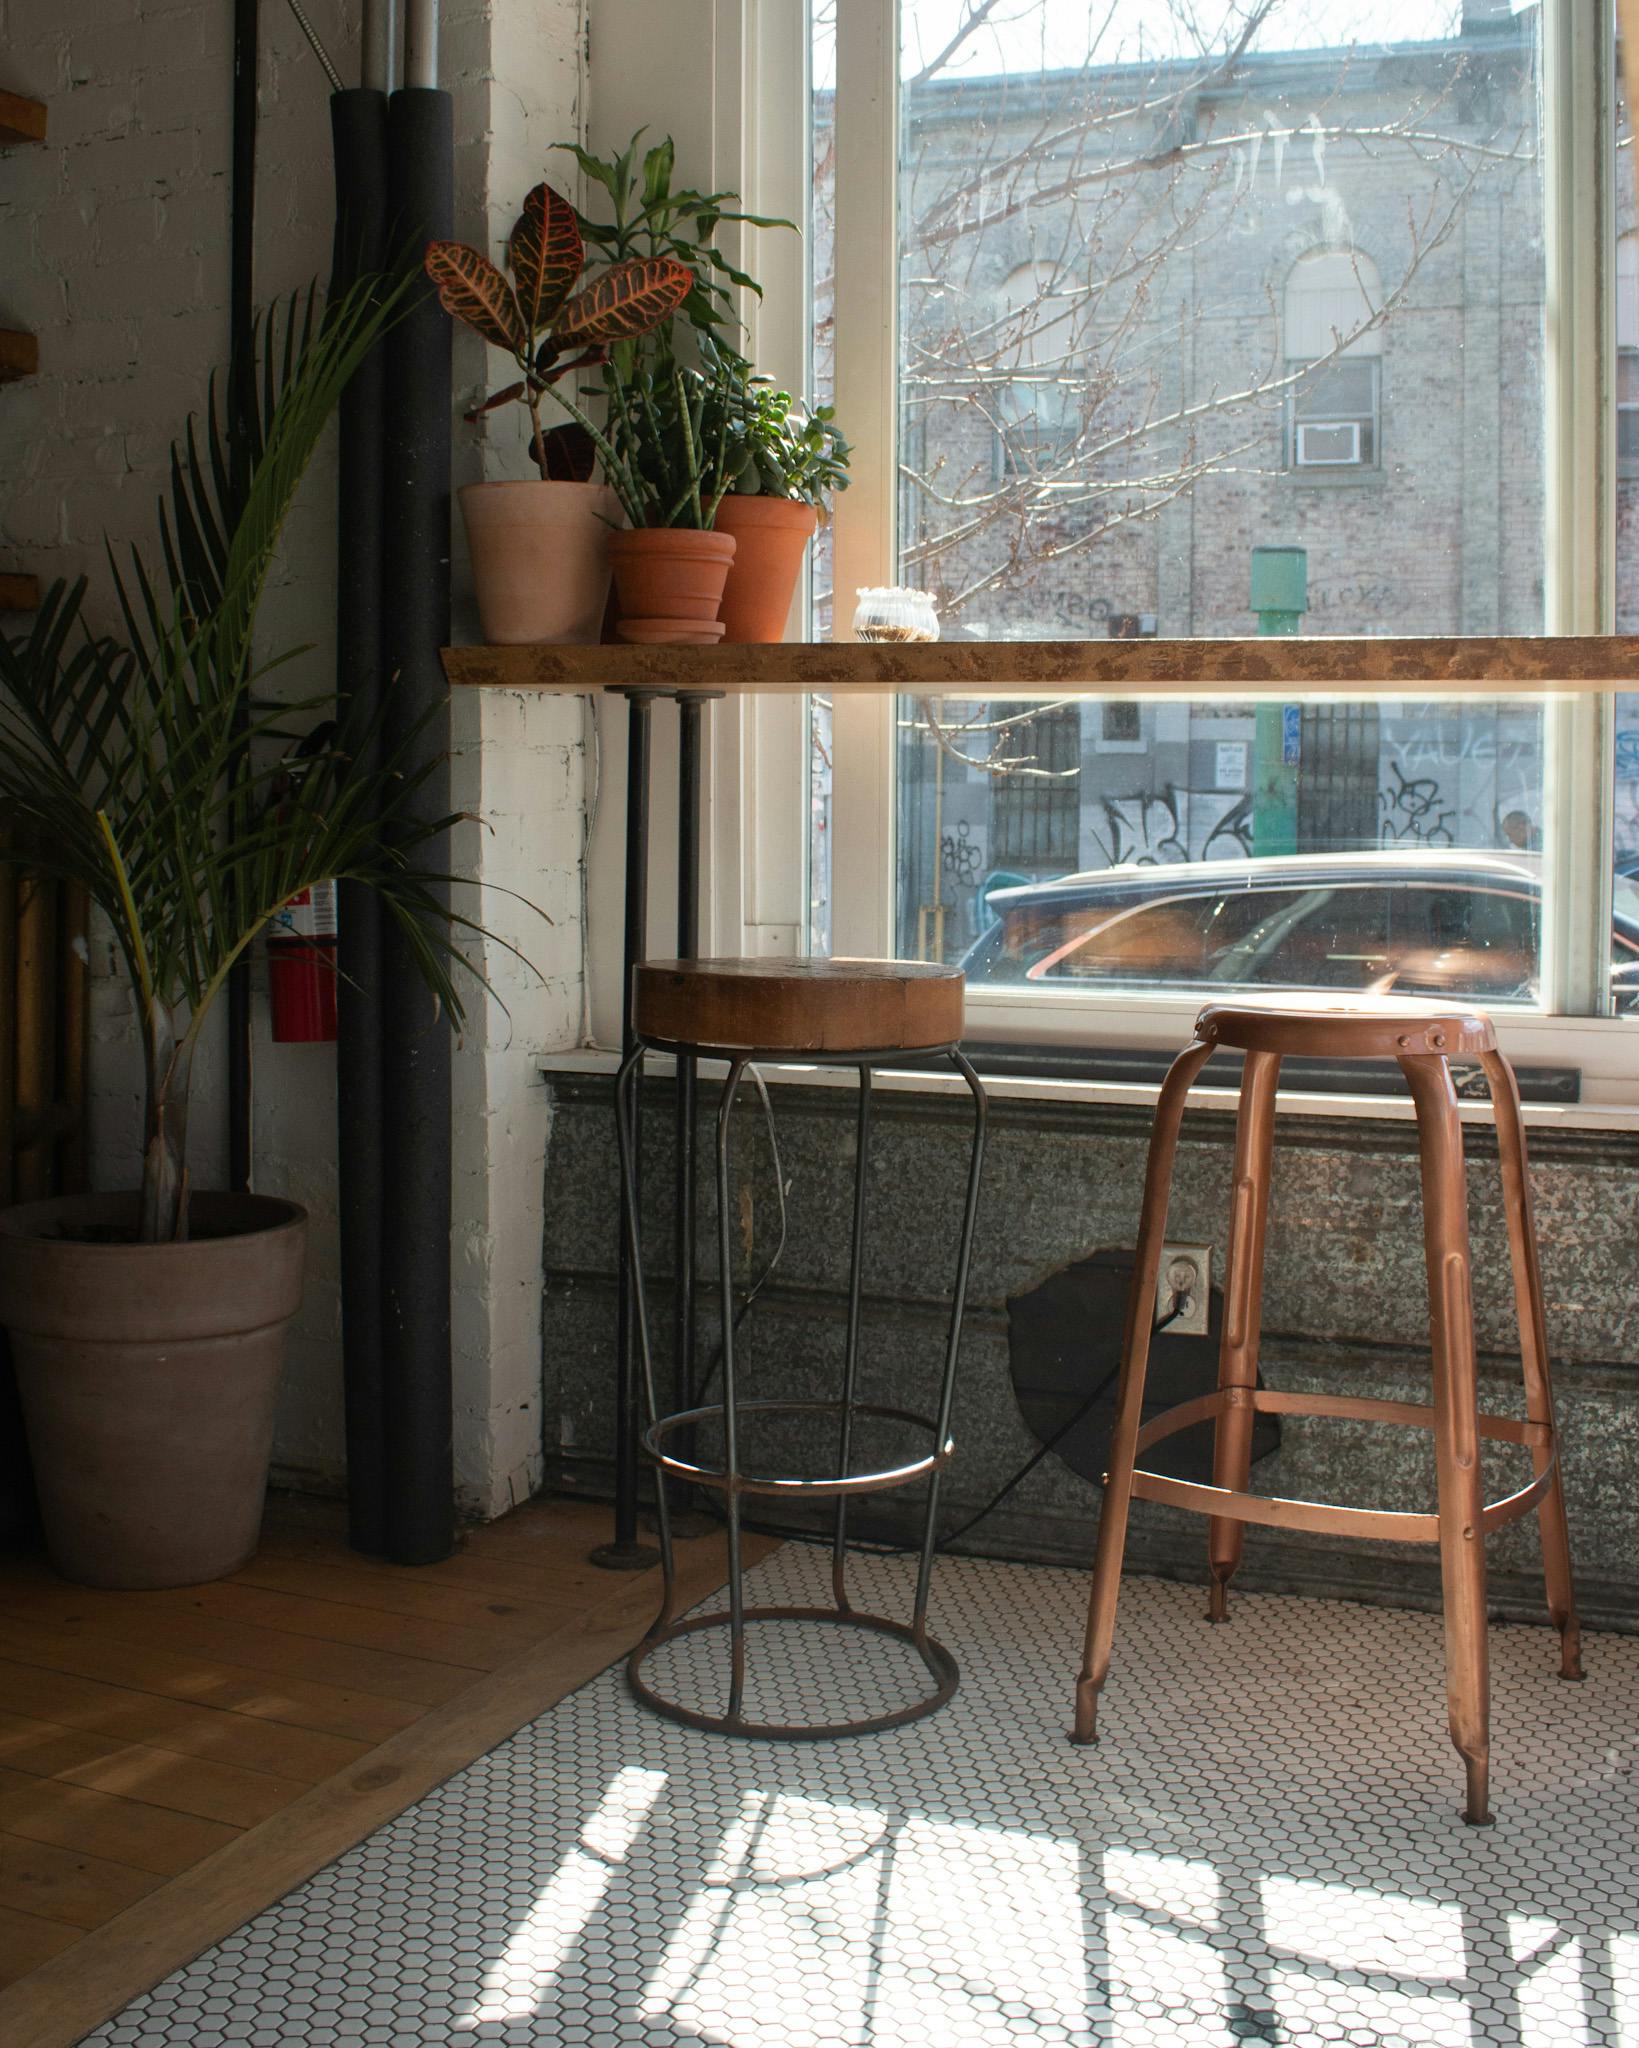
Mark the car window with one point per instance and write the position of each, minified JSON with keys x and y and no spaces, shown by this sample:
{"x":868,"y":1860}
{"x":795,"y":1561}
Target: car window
{"x":1322,"y":938}
{"x":1469,"y":942}
{"x":1351,"y":938}
{"x":1181,"y":939}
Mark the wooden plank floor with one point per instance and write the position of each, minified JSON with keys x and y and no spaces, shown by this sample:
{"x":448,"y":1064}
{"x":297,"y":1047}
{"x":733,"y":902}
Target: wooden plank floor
{"x":172,"y":1762}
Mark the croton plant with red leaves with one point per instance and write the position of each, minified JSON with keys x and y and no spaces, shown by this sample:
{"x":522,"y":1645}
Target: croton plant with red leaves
{"x":548,"y":328}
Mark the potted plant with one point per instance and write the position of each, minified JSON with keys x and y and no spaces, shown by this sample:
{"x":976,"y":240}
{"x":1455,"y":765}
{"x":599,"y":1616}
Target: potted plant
{"x":540,"y":549}
{"x":672,"y":400}
{"x":147,"y":1327}
{"x":789,"y":459}
{"x":669,"y":433}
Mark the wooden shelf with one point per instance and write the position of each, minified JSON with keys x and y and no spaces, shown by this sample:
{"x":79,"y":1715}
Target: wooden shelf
{"x":21,"y":120}
{"x":1105,"y":668}
{"x":19,"y":593}
{"x":19,"y":356}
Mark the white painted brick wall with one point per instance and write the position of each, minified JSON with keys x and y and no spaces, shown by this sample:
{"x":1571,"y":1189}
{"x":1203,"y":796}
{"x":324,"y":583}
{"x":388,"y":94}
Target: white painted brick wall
{"x":116,"y":250}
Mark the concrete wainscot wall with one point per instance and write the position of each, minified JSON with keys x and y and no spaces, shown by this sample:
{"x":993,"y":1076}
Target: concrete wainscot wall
{"x":116,"y":239}
{"x":1345,"y":1309}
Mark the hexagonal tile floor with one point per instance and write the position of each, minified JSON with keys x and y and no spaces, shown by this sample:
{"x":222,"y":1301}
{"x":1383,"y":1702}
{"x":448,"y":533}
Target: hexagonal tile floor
{"x":1264,"y":1847}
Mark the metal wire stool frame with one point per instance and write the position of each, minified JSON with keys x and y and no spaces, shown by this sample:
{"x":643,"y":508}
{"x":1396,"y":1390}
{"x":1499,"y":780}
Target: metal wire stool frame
{"x":729,"y":1479}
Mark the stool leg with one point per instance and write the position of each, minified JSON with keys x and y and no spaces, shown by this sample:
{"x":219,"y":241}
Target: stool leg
{"x":850,"y":1364}
{"x":1135,"y":1352}
{"x":1243,"y":1309}
{"x":627,"y":1083}
{"x":953,"y":1340}
{"x":731,"y":1429}
{"x":1533,"y":1347}
{"x":1456,"y":1411}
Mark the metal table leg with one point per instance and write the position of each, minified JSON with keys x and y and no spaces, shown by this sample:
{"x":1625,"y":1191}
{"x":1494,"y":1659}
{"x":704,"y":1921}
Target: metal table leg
{"x":626,"y":1553}
{"x":691,"y":706}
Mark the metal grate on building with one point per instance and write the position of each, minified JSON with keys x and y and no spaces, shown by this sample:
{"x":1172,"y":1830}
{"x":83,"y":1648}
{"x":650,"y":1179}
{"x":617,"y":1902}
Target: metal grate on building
{"x":1035,"y":818}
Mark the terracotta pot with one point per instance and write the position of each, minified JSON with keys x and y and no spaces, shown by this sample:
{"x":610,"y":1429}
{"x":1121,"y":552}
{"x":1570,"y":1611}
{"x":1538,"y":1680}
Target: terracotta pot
{"x":772,"y":536}
{"x":540,"y":560}
{"x":148,"y":1375}
{"x":670,"y":572}
{"x":671,"y":632}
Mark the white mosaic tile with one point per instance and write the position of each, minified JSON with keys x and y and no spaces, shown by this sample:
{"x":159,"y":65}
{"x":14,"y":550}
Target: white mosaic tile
{"x":1265,"y":1846}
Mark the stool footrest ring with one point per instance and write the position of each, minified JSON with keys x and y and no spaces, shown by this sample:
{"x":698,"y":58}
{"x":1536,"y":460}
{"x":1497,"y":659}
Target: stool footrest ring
{"x":776,"y":1487}
{"x":941,"y":1668}
{"x":1323,"y":1517}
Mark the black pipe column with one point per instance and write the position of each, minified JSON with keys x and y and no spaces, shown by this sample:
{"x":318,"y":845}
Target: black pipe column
{"x":415,"y":1039}
{"x":358,"y":125}
{"x":241,"y":399}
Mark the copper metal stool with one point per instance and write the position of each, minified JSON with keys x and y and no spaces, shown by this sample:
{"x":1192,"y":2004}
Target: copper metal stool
{"x":1424,"y":1044}
{"x":848,"y":1013}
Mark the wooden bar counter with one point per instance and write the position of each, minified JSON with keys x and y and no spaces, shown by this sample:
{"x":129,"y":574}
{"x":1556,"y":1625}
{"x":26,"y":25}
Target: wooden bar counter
{"x":1373,"y":666}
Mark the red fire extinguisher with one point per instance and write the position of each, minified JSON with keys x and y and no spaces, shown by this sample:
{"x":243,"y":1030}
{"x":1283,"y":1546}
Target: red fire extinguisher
{"x":301,"y":967}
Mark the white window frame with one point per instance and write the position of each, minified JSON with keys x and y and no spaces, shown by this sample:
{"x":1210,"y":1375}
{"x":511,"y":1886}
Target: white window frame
{"x":754,"y":752}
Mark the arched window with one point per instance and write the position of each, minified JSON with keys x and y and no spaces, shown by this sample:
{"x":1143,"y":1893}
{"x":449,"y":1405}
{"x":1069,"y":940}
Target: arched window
{"x":1039,"y":404}
{"x":1627,"y":354}
{"x":1334,"y":414}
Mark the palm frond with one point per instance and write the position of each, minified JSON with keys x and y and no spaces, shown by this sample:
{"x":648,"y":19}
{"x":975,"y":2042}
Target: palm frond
{"x":148,"y":769}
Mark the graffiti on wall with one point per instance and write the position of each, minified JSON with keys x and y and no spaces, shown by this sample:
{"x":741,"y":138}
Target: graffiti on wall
{"x":1412,"y":812}
{"x":962,"y":856}
{"x":1150,"y":829}
{"x":1456,"y":782}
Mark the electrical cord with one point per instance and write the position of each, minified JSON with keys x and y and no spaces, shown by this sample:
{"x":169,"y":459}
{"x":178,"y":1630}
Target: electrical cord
{"x":1180,"y":1306}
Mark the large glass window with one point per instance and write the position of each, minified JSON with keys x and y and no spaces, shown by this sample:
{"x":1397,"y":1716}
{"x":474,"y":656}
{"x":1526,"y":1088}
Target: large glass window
{"x":1157,"y":248}
{"x":1216,"y":321}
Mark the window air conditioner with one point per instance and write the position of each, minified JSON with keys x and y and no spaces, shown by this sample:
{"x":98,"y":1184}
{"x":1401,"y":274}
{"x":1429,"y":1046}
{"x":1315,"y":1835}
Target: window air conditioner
{"x":1327,"y":443}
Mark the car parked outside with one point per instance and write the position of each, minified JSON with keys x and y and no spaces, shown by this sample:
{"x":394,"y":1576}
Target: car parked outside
{"x":1428,"y":923}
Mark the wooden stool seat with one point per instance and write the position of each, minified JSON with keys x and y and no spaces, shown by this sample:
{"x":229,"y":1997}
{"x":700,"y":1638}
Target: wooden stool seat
{"x":799,"y":1006}
{"x":1423,"y":1041}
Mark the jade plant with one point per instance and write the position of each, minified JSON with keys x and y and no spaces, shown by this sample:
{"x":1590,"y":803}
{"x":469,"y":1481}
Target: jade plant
{"x":781,"y":448}
{"x":148,"y":768}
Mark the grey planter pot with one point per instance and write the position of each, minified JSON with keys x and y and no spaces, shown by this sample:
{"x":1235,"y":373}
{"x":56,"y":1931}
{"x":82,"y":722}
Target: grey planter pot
{"x":148,"y":1376}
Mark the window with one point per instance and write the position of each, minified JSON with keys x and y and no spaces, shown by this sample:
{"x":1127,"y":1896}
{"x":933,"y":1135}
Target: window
{"x":1627,"y":354}
{"x":1333,"y":301}
{"x":1120,"y":724}
{"x":1141,"y":177}
{"x":1229,"y":238}
{"x":1040,"y":396}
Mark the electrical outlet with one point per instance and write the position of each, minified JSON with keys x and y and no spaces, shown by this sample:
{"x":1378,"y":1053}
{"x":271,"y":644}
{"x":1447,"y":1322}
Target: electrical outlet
{"x":1186,"y":1269}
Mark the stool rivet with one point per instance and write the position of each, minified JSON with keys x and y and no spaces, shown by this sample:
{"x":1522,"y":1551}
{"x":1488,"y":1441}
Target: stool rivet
{"x":1404,"y":1041}
{"x":1437,"y":1039}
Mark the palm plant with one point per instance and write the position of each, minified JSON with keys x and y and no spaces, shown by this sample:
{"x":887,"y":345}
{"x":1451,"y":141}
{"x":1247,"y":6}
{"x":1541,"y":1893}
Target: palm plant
{"x":149,"y":769}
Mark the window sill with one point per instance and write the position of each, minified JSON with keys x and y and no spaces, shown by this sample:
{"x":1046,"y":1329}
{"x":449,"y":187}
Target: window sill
{"x":1543,"y":1116}
{"x":1367,"y":477}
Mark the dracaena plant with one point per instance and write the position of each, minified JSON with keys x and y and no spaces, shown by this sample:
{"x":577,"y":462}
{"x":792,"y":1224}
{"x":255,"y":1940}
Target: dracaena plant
{"x":147,"y":767}
{"x":651,"y":220}
{"x":550,"y":329}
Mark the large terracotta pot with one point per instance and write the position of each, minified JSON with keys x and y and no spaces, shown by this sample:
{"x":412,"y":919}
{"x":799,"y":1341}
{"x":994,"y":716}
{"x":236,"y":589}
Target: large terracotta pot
{"x":771,"y":537}
{"x":670,"y":576}
{"x":540,"y":559}
{"x":148,"y":1375}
